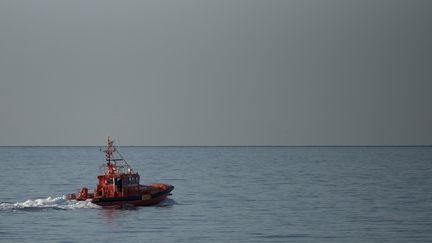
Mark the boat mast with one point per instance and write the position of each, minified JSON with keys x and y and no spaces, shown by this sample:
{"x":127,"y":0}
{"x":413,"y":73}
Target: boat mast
{"x":110,"y":149}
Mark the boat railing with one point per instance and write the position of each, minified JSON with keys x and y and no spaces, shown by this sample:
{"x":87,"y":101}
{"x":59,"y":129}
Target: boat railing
{"x":118,"y":168}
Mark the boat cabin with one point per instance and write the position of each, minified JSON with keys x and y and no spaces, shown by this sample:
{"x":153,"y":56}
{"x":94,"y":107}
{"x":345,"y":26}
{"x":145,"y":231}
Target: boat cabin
{"x":116,"y":178}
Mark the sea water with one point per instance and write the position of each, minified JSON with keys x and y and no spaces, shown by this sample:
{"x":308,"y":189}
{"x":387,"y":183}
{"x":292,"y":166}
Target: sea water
{"x":224,"y":194}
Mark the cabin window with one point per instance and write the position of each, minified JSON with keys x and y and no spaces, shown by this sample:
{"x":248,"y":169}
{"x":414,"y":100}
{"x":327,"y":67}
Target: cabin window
{"x":132,"y":180}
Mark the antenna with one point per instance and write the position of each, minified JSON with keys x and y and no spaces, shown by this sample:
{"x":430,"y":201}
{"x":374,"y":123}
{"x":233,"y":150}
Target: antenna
{"x":114,"y":157}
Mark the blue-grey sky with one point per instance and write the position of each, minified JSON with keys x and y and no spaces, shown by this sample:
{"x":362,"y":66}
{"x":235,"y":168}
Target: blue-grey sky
{"x":228,"y":72}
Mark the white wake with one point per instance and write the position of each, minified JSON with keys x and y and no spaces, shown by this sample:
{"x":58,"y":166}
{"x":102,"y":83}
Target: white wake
{"x":50,"y":202}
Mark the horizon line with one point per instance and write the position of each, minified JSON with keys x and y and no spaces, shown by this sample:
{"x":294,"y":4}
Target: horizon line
{"x":315,"y":145}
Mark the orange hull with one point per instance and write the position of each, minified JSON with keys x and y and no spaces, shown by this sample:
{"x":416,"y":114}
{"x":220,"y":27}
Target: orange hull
{"x":138,"y":200}
{"x":158,"y":193}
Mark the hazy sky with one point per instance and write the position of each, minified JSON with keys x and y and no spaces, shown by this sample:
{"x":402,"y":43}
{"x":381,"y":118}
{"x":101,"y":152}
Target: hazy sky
{"x":224,"y":72}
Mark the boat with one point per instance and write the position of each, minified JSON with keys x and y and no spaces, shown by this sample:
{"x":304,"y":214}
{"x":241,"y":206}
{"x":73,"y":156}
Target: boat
{"x":119,"y":185}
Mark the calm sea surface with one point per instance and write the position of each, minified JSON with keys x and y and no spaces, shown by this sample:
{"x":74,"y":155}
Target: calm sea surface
{"x":224,"y":194}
